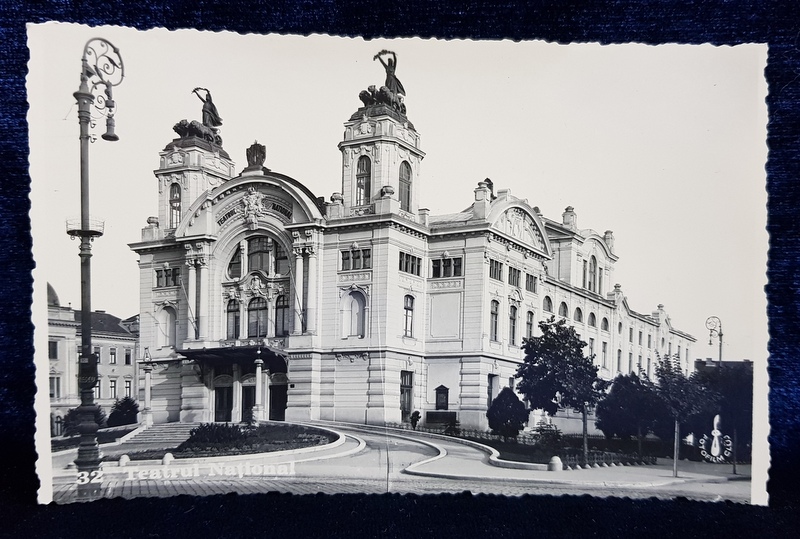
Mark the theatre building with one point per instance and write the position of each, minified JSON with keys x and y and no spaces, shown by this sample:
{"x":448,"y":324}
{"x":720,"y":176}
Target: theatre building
{"x":260,"y":299}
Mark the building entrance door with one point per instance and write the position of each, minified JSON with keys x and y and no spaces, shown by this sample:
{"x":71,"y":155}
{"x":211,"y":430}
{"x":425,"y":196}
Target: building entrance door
{"x":248,"y":401}
{"x":223,"y":403}
{"x":277,"y":402}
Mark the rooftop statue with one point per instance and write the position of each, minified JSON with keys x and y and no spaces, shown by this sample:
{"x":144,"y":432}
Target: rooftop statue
{"x":211,"y":117}
{"x":392,"y":92}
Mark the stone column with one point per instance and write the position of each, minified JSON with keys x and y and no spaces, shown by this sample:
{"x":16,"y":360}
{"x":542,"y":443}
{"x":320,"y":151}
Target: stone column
{"x":311,"y":300}
{"x":242,"y":318}
{"x":298,"y":291}
{"x":258,"y":408}
{"x":203,"y":310}
{"x":147,"y":412}
{"x":191,"y":292}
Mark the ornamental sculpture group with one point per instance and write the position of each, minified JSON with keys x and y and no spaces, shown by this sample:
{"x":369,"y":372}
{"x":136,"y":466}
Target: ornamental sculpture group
{"x":392,"y":92}
{"x":390,"y":95}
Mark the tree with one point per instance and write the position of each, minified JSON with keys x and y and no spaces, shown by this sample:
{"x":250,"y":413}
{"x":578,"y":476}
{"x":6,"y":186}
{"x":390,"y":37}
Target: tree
{"x":629,"y":409}
{"x":554,"y":365}
{"x":682,"y":397}
{"x":733,"y":382}
{"x":124,"y":412}
{"x":507,"y":414}
{"x":72,"y":420}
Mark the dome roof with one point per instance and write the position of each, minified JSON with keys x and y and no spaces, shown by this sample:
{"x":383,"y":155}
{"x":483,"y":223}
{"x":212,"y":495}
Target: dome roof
{"x":52,"y":297}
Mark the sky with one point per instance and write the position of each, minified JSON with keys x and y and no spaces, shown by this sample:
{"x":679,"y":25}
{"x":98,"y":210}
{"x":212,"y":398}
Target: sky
{"x":664,"y":145}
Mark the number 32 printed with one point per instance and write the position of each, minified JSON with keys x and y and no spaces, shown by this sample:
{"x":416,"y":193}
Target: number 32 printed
{"x":95,"y":476}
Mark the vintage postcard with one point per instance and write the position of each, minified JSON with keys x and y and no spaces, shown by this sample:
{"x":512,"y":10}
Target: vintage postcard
{"x":324,"y":264}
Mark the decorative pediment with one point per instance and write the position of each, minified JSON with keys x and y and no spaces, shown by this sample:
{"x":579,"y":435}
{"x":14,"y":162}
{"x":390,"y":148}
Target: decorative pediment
{"x":518,"y":224}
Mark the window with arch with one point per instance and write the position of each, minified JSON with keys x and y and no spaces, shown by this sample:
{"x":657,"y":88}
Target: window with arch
{"x":619,"y":328}
{"x":578,"y":314}
{"x":529,"y":325}
{"x":604,"y":324}
{"x":619,"y":360}
{"x":354,"y":315}
{"x":563,"y":310}
{"x":408,"y":316}
{"x":232,"y":312}
{"x":257,"y":318}
{"x":281,"y":259}
{"x":512,"y":325}
{"x":363,"y":180}
{"x":167,"y":320}
{"x":592,"y":320}
{"x":235,"y":265}
{"x":258,"y":251}
{"x":547,"y":304}
{"x":593,"y":274}
{"x":281,"y":316}
{"x":174,"y":205}
{"x":494,"y":321}
{"x":405,"y":186}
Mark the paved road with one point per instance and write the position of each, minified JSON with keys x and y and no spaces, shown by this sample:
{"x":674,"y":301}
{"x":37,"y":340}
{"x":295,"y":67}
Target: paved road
{"x":374,"y":461}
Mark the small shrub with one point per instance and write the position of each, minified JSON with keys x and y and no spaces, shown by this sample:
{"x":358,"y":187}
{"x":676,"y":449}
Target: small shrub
{"x":124,"y":412}
{"x":550,"y":438}
{"x":507,"y":414}
{"x":415,"y":417}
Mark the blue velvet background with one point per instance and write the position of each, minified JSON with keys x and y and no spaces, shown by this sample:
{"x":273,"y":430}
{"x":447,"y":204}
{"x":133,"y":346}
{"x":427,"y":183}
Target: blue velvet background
{"x":691,"y":21}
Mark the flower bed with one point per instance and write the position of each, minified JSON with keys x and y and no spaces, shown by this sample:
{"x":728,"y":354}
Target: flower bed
{"x":219,"y":440}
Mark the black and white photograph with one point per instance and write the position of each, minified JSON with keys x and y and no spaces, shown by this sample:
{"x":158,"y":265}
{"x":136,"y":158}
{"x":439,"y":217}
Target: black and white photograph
{"x":303,"y":264}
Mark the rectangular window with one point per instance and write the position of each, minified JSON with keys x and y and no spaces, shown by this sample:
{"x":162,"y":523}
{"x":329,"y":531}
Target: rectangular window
{"x":640,"y":339}
{"x":599,"y":280}
{"x":446,"y":267}
{"x":159,"y":278}
{"x":630,"y":335}
{"x":512,"y":325}
{"x":410,"y":263}
{"x":494,"y":321}
{"x":604,"y":349}
{"x":356,"y":259}
{"x":128,"y":356}
{"x":175,"y":276}
{"x":97,"y":392}
{"x":495,"y":270}
{"x":97,"y":353}
{"x":345,"y":260}
{"x":530,"y":283}
{"x":112,"y":389}
{"x":128,"y":388}
{"x":639,"y":364}
{"x":585,"y":272}
{"x":529,"y":325}
{"x":52,"y":349}
{"x":649,"y":341}
{"x":591,"y":346}
{"x":55,"y":387}
{"x":513,"y":276}
{"x":112,"y":356}
{"x":619,"y":360}
{"x":511,"y":382}
{"x":168,"y":277}
{"x":490,"y":383}
{"x":630,"y":362}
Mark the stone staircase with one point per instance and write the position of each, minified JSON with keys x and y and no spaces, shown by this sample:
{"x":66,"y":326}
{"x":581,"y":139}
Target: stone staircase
{"x":163,"y":435}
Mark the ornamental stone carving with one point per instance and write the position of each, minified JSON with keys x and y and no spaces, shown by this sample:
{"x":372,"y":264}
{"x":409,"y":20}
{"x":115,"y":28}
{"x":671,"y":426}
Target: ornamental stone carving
{"x":363,"y":356}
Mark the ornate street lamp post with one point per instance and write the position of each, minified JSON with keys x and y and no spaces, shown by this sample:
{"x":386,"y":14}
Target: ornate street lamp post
{"x":101,"y":70}
{"x":714,"y":325}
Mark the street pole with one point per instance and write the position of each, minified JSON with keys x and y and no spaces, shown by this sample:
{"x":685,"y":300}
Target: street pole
{"x":101,"y":68}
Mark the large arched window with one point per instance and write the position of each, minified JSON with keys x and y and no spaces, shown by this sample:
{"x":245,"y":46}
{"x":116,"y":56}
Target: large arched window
{"x":405,"y":186}
{"x":593,"y":274}
{"x":408,"y":316}
{"x":578,"y":315}
{"x":547,"y":304}
{"x":604,"y":324}
{"x":232,"y":313}
{"x":512,"y":325}
{"x":235,"y":265}
{"x":354,"y":315}
{"x":563,"y":310}
{"x":257,"y":318}
{"x":258,"y":249}
{"x":174,"y":205}
{"x":592,"y":320}
{"x":363,"y":180}
{"x":281,"y":316}
{"x":167,"y":321}
{"x":494,"y":321}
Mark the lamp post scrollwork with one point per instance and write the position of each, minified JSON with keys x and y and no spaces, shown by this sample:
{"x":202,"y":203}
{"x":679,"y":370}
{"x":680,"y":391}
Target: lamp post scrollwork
{"x":714,"y":326}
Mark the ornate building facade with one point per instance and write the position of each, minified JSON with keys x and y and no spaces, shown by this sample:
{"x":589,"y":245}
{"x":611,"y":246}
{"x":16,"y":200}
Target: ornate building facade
{"x":259,"y":299}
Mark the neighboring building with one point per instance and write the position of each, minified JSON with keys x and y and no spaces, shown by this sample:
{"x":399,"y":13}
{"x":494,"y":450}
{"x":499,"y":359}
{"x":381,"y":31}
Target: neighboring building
{"x":115,"y":345}
{"x":258,"y":295}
